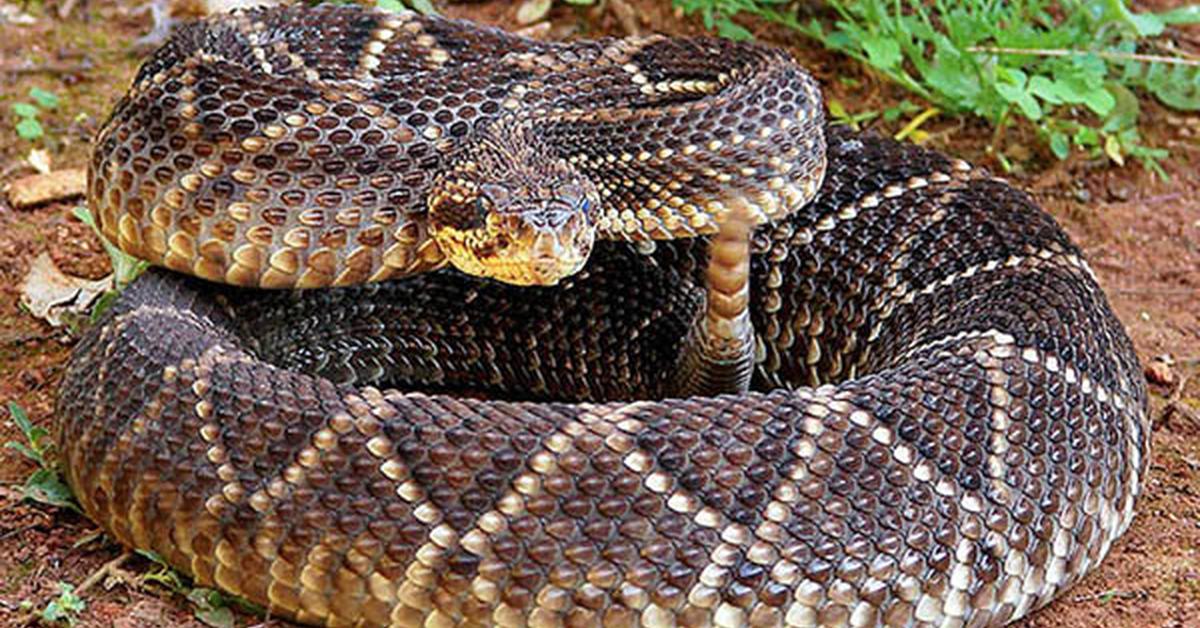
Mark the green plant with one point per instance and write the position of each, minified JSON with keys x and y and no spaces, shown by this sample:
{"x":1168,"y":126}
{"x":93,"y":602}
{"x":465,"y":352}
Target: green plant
{"x":718,"y":14}
{"x":65,"y":607}
{"x":531,"y":11}
{"x":29,"y":126}
{"x":421,"y":6}
{"x":44,"y":485}
{"x":1066,"y":67}
{"x":126,"y":268}
{"x":210,"y":606}
{"x":163,"y":573}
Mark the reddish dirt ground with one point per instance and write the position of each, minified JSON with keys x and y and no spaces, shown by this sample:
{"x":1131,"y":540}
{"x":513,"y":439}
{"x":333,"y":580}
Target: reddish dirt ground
{"x":1141,"y":235}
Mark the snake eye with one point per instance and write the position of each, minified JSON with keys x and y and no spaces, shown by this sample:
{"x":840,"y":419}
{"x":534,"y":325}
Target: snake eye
{"x":495,"y":195}
{"x":569,"y":190}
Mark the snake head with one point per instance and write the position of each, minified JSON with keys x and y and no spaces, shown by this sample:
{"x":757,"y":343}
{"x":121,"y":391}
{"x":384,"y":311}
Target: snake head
{"x":532,"y":224}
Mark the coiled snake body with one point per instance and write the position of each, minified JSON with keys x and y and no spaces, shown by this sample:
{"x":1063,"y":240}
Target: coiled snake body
{"x":946,"y":425}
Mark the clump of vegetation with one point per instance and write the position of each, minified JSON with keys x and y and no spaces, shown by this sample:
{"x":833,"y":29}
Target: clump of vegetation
{"x":28,"y":123}
{"x":421,"y":6}
{"x":1070,"y":68}
{"x":65,"y":608}
{"x":718,"y":14}
{"x":210,"y":606}
{"x":125,"y":267}
{"x":44,"y":485}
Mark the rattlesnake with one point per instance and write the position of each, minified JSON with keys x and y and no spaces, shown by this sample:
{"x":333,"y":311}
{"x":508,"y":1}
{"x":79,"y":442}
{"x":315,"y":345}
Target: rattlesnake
{"x":946,"y":425}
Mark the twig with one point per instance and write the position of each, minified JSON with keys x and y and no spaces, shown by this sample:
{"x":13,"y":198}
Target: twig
{"x":48,"y":68}
{"x":15,"y":531}
{"x":1110,"y":594}
{"x":31,"y":615}
{"x":1155,"y":200}
{"x":64,"y":9}
{"x":103,"y":571}
{"x":1170,"y":46}
{"x":1103,"y":54}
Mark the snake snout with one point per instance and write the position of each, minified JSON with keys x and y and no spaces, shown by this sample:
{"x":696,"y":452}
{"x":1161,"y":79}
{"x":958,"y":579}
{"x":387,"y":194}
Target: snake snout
{"x":559,"y":242}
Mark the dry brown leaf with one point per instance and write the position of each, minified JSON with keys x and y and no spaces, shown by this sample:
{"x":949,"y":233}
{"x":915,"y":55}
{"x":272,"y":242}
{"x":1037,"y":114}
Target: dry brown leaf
{"x":50,"y":295}
{"x":532,"y":11}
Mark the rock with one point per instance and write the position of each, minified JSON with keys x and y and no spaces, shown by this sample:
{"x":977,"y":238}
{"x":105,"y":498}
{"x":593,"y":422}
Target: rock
{"x":44,"y":188}
{"x":1159,"y":372}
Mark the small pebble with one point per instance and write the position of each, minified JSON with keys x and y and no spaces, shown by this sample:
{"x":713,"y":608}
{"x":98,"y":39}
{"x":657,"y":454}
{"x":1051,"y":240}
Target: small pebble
{"x":1160,"y":373}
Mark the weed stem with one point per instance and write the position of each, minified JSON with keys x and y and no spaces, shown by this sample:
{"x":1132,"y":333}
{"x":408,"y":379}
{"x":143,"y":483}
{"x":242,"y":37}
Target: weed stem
{"x":1103,"y":54}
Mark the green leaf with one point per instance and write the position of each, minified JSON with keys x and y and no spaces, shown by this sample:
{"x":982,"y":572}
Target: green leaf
{"x":1012,"y":88}
{"x":211,"y":608}
{"x":839,"y":115}
{"x":221,"y":617}
{"x":1011,"y":79}
{"x":1124,"y":113}
{"x":1146,"y":24}
{"x":1004,"y":162}
{"x":34,"y":436}
{"x":1060,"y":145}
{"x":1112,"y":148}
{"x":891,"y":114}
{"x":424,"y":7}
{"x":102,"y":304}
{"x":1178,"y":87}
{"x":883,"y":52}
{"x":1143,"y":24}
{"x":1099,"y":100}
{"x":729,"y":29}
{"x":126,"y":268}
{"x":954,"y":77}
{"x":1086,"y":136}
{"x":1183,"y":15}
{"x":25,"y":110}
{"x":46,"y":487}
{"x":22,"y":449}
{"x":164,"y":574}
{"x":1046,"y":89}
{"x":836,"y":110}
{"x":48,"y":100}
{"x":29,"y":129}
{"x":20,"y":418}
{"x":65,"y":607}
{"x":395,"y":6}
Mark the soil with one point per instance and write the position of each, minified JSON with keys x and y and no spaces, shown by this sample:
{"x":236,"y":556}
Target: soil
{"x":1141,"y":235}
